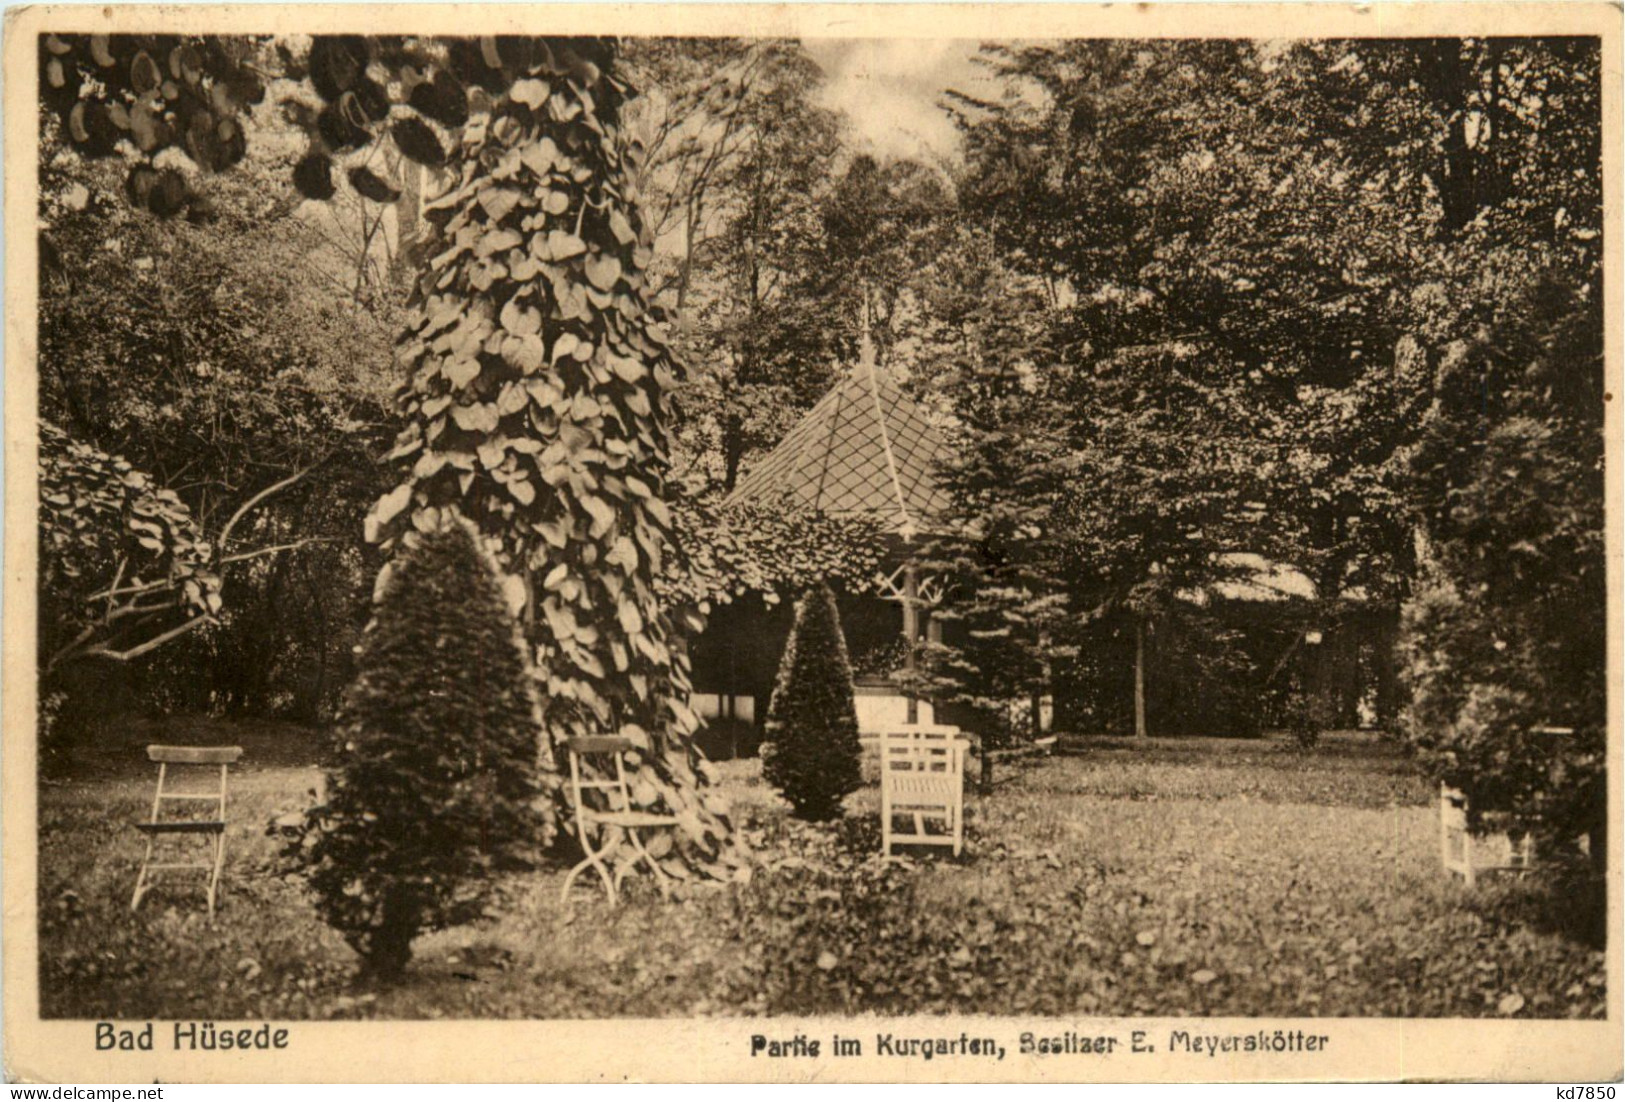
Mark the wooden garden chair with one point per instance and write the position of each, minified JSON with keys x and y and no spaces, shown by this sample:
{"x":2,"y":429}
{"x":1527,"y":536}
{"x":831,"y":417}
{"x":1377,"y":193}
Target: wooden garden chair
{"x":601,"y":799}
{"x":160,"y":824}
{"x":922,"y":777}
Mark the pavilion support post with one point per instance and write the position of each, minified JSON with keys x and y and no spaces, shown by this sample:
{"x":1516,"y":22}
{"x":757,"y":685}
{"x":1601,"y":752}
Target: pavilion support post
{"x":911,"y":633}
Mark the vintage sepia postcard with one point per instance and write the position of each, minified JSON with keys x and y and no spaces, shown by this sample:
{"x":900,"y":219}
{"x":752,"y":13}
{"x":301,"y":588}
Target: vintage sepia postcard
{"x":855,"y":542}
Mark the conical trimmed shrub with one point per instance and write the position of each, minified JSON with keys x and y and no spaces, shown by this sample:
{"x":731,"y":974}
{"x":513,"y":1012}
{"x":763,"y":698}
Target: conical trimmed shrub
{"x":433,"y":768}
{"x":812,"y":724}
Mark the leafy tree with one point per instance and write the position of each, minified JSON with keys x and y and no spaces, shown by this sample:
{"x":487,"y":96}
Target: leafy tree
{"x":1121,"y":155}
{"x":883,"y":224}
{"x":812,"y":756}
{"x":1262,"y":252}
{"x":223,"y":356}
{"x":739,"y":157}
{"x":433,"y":766}
{"x":709,"y":106}
{"x":536,"y":407}
{"x":241,"y":349}
{"x":1005,"y":613}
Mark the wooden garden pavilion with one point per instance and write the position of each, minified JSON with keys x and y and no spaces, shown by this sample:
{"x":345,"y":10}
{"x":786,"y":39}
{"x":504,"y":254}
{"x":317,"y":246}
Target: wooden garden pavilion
{"x":865,"y":450}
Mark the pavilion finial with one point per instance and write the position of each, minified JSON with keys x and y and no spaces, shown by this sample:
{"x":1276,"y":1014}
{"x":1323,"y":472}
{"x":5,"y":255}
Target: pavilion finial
{"x":866,"y":344}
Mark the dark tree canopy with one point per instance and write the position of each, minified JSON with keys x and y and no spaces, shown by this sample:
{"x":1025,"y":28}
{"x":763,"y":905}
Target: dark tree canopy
{"x":191,"y":93}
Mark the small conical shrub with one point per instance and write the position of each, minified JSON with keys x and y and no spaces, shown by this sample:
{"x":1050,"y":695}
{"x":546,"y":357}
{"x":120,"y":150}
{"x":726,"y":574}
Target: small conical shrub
{"x":812,"y":724}
{"x":433,"y":767}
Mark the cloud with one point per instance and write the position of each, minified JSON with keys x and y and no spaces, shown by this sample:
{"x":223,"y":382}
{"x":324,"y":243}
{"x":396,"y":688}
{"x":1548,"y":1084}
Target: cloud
{"x":888,"y":89}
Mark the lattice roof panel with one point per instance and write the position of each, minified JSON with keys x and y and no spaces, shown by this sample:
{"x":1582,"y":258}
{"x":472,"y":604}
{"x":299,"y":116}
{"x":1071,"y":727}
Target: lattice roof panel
{"x":866,"y":448}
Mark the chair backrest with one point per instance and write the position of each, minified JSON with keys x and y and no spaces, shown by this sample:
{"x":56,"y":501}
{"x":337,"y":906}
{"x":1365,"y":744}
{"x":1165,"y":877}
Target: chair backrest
{"x":922,"y":749}
{"x":591,"y":769}
{"x":194,"y":755}
{"x":167,"y":756}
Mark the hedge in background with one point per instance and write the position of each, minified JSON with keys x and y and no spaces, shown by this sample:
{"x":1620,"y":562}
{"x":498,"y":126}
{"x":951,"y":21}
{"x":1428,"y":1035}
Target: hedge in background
{"x":434,"y":766}
{"x":812,"y":723}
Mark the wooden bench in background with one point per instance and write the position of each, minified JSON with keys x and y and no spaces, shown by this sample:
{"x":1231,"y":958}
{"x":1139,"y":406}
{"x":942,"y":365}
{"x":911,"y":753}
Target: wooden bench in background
{"x":1491,"y":852}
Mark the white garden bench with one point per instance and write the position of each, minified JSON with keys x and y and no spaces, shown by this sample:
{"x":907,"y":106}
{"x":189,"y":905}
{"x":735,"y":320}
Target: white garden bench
{"x":922,"y":778}
{"x":1469,"y":859}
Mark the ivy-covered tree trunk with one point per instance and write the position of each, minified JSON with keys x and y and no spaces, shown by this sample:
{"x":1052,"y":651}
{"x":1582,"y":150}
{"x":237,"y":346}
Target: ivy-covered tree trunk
{"x":537,"y":406}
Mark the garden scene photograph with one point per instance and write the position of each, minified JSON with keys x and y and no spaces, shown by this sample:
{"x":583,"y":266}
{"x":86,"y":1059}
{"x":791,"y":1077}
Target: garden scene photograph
{"x":740,"y":527}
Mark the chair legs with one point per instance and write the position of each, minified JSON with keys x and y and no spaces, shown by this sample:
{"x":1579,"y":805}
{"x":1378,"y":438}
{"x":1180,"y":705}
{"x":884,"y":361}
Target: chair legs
{"x":214,"y":874}
{"x":594,"y":860}
{"x":141,"y":877}
{"x":612,"y":883}
{"x":214,"y":865}
{"x":661,"y":877}
{"x":951,"y":832}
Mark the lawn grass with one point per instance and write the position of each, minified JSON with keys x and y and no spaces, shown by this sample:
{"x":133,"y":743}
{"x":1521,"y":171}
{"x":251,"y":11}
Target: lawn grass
{"x":1164,"y":877}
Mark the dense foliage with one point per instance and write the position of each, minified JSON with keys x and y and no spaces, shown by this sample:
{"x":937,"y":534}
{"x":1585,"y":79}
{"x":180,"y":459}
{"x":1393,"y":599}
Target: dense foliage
{"x":433,"y":766}
{"x":812,"y":725}
{"x":123,"y":566}
{"x":1007,"y":617}
{"x":537,"y":396}
{"x":1185,"y":306}
{"x":1505,"y":639}
{"x":240,"y":357}
{"x":765,"y":552}
{"x":739,"y":154}
{"x":1267,"y":260}
{"x":149,"y":94}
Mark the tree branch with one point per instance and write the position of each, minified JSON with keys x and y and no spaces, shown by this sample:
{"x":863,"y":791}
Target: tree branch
{"x":151,"y":644}
{"x":275,"y":487}
{"x":135,"y":609}
{"x":118,"y":576}
{"x":131,"y":591}
{"x":68,"y":649}
{"x":244,"y":556}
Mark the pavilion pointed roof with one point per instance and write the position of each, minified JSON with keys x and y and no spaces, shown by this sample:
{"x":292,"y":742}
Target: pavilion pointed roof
{"x":866,"y":448}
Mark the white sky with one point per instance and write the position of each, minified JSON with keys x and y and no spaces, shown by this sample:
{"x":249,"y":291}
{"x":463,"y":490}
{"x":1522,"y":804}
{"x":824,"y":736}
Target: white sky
{"x":889,"y":87}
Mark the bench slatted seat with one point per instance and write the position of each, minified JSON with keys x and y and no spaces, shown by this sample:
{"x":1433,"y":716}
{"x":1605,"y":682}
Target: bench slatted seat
{"x":922,"y":778}
{"x":213,"y":828}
